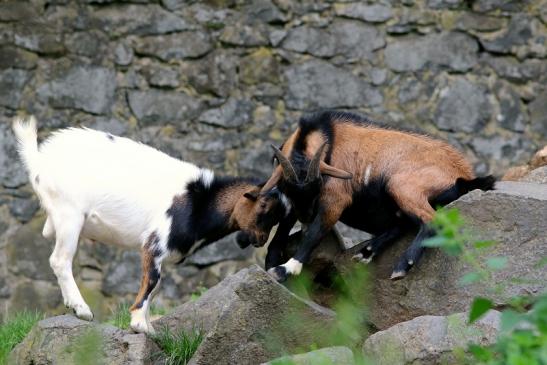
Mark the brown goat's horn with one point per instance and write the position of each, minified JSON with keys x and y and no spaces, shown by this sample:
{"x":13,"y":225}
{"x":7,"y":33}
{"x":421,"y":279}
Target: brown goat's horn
{"x":288,"y":171}
{"x":313,"y":169}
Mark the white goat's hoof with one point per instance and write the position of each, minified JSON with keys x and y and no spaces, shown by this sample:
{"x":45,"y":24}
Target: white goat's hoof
{"x":367,"y":261}
{"x":357,"y":257}
{"x":143,"y":327}
{"x":82,"y":311}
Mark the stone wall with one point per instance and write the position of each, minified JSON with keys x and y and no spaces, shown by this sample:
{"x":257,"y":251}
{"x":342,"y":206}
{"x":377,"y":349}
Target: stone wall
{"x":216,"y":82}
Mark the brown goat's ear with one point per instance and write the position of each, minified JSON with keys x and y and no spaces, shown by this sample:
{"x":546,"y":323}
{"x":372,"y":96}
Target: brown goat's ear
{"x":327,"y":169}
{"x":251,"y":195}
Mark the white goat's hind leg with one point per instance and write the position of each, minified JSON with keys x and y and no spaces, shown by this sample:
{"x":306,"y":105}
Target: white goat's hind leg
{"x":67,"y":232}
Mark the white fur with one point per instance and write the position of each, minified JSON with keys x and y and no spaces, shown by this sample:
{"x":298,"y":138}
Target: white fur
{"x":140,"y":319}
{"x":113,"y":191}
{"x":293,"y":266}
{"x":367,"y":174}
{"x":286,"y":203}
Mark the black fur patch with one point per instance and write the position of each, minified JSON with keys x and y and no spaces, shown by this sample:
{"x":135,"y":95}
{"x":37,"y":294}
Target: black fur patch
{"x":462,"y":187}
{"x":322,"y":122}
{"x":153,"y":279}
{"x":195,"y":215}
{"x":373,"y":210}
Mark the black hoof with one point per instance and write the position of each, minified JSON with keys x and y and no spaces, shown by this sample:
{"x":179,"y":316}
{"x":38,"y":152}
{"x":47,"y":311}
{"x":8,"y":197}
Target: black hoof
{"x":279,"y":273}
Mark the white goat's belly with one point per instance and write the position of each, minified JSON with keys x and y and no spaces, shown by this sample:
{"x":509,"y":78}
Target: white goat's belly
{"x":98,"y":229}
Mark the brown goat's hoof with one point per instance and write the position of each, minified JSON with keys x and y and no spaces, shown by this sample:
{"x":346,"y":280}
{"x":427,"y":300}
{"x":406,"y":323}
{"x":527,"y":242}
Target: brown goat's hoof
{"x":398,"y":275}
{"x":279,"y":273}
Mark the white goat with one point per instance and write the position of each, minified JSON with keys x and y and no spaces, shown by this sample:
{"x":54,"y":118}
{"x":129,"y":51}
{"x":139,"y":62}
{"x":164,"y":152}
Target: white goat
{"x":111,"y":189}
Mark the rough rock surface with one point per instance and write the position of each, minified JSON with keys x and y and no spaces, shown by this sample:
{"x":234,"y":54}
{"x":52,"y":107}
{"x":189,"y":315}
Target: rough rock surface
{"x":87,"y":88}
{"x":60,"y":340}
{"x":456,"y":51}
{"x":513,"y":216}
{"x":317,"y":83}
{"x":243,"y":314}
{"x":463,"y":106}
{"x":338,"y":355}
{"x":430,"y":340}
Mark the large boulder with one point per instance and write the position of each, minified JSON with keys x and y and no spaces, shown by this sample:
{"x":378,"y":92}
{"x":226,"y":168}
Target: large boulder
{"x":67,"y":340}
{"x":513,"y":215}
{"x":247,"y":320}
{"x":430,"y":340}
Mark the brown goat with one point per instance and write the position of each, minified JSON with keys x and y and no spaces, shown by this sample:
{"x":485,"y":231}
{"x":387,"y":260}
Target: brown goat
{"x":340,"y":166}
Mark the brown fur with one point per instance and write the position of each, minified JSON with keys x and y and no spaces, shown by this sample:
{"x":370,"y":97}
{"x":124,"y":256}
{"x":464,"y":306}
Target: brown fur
{"x":232,"y":202}
{"x":147,"y":264}
{"x":417,"y":167}
{"x":243,"y":211}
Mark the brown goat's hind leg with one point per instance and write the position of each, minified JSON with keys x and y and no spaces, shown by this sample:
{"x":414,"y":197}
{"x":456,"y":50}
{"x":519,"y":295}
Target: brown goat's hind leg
{"x":414,"y":203}
{"x":412,"y":254}
{"x":376,"y":244}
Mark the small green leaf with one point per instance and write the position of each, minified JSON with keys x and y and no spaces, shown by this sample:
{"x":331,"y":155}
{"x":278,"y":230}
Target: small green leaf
{"x":481,"y":353}
{"x":509,"y":319}
{"x":496,"y":263}
{"x":483,"y":244}
{"x":437,"y":241}
{"x":479,"y":307}
{"x":470,"y":278}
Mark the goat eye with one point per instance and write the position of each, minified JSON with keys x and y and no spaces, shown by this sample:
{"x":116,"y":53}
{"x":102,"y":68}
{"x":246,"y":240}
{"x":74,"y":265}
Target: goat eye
{"x":262,"y":205}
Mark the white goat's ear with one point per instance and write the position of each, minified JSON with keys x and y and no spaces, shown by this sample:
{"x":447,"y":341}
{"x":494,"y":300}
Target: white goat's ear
{"x":251,"y":195}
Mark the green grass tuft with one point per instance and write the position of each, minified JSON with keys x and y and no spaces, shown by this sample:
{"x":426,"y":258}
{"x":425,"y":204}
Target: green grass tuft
{"x":120,"y":317}
{"x":14,"y":330}
{"x":178,"y":347}
{"x":198,"y":293}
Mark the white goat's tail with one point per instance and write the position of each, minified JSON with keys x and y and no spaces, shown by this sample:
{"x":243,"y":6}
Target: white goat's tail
{"x":27,"y":139}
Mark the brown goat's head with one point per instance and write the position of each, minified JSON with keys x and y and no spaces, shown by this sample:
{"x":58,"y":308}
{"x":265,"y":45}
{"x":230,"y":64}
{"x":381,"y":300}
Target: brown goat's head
{"x":302,"y":184}
{"x":256,"y":214}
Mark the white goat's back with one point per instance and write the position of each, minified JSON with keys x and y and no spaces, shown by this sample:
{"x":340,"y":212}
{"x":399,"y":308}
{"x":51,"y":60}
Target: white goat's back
{"x":122,"y":187}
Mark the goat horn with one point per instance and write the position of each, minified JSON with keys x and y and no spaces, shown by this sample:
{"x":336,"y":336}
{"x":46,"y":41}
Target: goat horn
{"x":288,"y":170}
{"x":313,"y":169}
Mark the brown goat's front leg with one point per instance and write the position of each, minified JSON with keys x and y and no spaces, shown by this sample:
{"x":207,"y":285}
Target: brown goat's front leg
{"x":328,"y":215}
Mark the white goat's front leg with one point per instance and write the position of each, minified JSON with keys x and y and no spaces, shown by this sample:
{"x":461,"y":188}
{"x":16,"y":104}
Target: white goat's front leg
{"x":67,"y":232}
{"x":152,"y":256}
